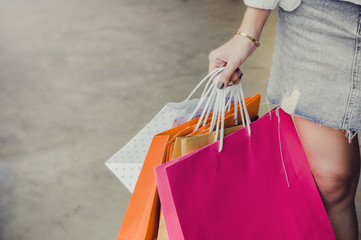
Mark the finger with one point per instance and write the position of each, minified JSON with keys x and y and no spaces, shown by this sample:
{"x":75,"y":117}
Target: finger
{"x":235,"y":76}
{"x":226,"y":74}
{"x":220,"y":63}
{"x":239,"y":79}
{"x":217,"y":65}
{"x":215,"y":62}
{"x":236,"y":82}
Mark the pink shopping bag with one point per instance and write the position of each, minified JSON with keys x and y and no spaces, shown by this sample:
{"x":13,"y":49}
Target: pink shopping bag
{"x":258,"y":187}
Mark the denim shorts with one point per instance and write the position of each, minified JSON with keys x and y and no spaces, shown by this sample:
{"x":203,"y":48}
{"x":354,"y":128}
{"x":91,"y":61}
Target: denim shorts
{"x":316,"y":71}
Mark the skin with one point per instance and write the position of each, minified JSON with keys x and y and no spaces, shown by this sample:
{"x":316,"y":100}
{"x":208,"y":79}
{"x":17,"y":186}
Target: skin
{"x":334,"y":162}
{"x":335,"y":165}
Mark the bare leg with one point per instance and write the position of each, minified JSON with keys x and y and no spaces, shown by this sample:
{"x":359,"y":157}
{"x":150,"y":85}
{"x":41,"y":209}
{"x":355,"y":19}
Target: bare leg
{"x":335,"y":165}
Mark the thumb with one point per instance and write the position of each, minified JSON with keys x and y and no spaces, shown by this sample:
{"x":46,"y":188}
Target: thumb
{"x":226,"y":74}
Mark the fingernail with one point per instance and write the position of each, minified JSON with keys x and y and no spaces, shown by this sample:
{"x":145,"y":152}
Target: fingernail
{"x":220,"y":85}
{"x":237,"y":70}
{"x":240,"y":76}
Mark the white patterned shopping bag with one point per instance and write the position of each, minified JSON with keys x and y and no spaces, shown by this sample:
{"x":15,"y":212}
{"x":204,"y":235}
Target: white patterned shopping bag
{"x":127,"y":162}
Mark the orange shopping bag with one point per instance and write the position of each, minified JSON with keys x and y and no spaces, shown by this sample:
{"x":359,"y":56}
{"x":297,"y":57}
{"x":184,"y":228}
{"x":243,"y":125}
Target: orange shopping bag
{"x":142,"y":216}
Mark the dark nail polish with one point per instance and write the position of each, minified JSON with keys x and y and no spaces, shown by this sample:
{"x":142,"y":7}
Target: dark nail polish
{"x":237,"y":70}
{"x":241,"y":76}
{"x":220,"y":85}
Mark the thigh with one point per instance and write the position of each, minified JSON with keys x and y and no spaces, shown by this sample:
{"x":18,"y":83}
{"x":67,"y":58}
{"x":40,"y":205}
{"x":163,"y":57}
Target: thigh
{"x":334,"y":162}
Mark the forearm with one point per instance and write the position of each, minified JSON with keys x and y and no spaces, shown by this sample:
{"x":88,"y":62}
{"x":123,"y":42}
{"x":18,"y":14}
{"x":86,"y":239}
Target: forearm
{"x":234,"y":52}
{"x":253,"y":21}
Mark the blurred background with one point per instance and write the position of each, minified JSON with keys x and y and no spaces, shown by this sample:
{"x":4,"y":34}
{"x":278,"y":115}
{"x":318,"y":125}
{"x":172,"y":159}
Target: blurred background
{"x":78,"y":79}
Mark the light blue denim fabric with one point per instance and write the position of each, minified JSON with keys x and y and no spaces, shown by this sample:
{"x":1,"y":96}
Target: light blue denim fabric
{"x":316,"y":71}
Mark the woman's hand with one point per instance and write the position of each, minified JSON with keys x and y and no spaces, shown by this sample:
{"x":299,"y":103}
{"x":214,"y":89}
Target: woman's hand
{"x":234,"y":52}
{"x":231,"y":55}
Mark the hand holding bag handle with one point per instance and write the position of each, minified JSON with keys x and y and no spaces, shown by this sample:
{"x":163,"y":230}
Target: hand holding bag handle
{"x":216,"y":99}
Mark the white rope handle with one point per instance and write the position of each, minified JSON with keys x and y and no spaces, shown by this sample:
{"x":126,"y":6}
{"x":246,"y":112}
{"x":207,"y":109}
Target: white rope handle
{"x":210,"y":76}
{"x":208,"y":106}
{"x":219,"y":100}
{"x":248,"y":120}
{"x":208,"y":90}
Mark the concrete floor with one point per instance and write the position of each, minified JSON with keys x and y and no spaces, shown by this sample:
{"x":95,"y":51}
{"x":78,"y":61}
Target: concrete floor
{"x":78,"y":79}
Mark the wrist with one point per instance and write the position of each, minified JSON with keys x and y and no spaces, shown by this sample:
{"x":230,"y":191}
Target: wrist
{"x":250,"y":32}
{"x":250,"y":38}
{"x":244,"y":43}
